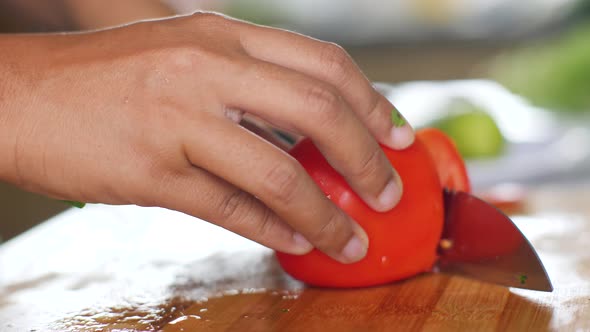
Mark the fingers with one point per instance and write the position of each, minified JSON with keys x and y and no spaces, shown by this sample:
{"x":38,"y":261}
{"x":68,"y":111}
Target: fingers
{"x":330,"y":63}
{"x":299,"y":103}
{"x":278,"y":181}
{"x":200,"y":194}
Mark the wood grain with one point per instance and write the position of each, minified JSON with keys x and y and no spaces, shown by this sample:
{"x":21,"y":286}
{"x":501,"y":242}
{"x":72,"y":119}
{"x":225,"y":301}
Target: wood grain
{"x":137,"y":269}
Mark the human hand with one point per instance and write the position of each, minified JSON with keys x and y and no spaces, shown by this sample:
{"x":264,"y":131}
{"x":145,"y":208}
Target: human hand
{"x":149,"y":114}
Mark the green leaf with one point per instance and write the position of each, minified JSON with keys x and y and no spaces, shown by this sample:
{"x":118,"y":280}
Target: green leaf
{"x":77,"y":204}
{"x":397,"y":119}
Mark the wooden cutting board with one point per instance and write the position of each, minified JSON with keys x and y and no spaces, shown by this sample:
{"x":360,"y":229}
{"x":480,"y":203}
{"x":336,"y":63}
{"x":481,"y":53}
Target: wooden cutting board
{"x":145,"y":269}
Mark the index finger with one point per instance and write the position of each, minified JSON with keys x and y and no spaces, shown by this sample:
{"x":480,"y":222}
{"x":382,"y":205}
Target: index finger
{"x":330,"y":63}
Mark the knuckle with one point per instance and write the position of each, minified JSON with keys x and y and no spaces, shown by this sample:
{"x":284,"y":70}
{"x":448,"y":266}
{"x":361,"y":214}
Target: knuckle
{"x":240,"y":212}
{"x":266,"y":224}
{"x":207,"y":18}
{"x":161,"y":64}
{"x":368,"y":165}
{"x":336,"y":62}
{"x":212,"y":24}
{"x":181,"y":60}
{"x":323,"y":102}
{"x":326,"y":235}
{"x":282,"y":182}
{"x":233,"y":205}
{"x":373,"y":109}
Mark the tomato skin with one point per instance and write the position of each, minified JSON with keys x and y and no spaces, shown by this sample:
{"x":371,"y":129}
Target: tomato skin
{"x":403,"y":241}
{"x":447,"y":159}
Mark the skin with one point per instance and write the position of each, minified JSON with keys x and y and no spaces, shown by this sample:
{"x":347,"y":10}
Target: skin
{"x":149,"y":114}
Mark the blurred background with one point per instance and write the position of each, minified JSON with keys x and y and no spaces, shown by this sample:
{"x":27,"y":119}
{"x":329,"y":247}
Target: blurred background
{"x":508,"y":80}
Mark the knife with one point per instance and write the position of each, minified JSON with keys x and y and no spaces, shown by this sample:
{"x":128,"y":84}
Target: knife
{"x":482,"y":243}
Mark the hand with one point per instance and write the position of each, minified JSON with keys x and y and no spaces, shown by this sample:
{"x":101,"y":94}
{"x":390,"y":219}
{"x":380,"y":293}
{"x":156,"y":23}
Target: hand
{"x":149,"y":114}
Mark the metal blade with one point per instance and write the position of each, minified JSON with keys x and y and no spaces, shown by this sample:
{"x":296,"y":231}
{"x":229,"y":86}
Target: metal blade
{"x":481,"y":242}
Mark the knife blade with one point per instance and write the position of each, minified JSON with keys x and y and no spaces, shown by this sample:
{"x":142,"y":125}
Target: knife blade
{"x":480,"y":242}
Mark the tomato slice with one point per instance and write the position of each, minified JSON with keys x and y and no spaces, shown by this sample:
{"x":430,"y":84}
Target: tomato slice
{"x":447,"y":159}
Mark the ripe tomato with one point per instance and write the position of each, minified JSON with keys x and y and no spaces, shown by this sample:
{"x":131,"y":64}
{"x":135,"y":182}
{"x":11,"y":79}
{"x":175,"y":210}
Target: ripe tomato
{"x":453,"y":175}
{"x":449,"y":164}
{"x":403,"y":241}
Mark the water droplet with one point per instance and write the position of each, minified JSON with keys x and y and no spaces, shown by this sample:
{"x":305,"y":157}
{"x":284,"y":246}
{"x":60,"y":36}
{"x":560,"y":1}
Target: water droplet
{"x":185,"y":318}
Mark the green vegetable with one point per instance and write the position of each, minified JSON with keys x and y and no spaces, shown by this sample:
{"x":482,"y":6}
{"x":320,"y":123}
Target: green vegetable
{"x":75,"y":204}
{"x":522,"y":278}
{"x":472,"y":129}
{"x":553,"y":74}
{"x":397,"y":119}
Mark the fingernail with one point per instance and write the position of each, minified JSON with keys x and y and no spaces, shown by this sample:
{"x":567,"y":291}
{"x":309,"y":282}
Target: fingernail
{"x":301,"y":244}
{"x":402,"y":137}
{"x":355,"y":250}
{"x":391,"y":194}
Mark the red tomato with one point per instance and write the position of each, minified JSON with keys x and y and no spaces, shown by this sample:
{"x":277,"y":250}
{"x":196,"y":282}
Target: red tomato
{"x":449,"y":164}
{"x":403,"y":241}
